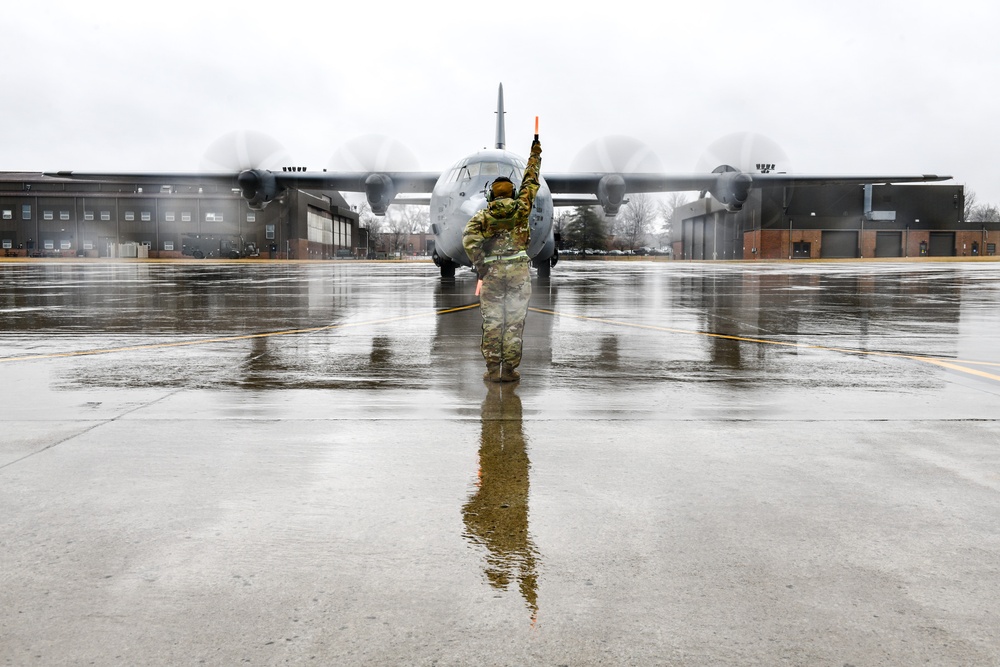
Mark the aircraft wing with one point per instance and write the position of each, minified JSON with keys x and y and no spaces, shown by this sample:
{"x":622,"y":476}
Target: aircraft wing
{"x":728,"y":186}
{"x":260,"y":186}
{"x":348,"y":181}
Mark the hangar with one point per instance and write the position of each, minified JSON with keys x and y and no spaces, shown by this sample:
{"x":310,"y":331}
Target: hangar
{"x":834,"y":221}
{"x":42,"y":216}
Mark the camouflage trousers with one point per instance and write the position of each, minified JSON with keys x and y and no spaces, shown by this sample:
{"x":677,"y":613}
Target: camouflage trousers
{"x":503,"y":301}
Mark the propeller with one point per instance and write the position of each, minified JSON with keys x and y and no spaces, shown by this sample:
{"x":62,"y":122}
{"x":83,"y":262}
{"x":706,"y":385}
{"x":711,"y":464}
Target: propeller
{"x":617,"y":154}
{"x":744,"y":151}
{"x":244,"y":149}
{"x":374,"y":152}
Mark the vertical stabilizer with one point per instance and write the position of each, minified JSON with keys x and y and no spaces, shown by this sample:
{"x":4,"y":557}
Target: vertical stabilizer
{"x":501,"y":135}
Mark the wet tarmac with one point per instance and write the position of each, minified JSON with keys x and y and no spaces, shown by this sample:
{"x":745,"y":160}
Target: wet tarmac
{"x":703,"y":464}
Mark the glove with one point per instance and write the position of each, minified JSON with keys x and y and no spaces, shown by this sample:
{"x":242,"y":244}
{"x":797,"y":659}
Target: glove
{"x":481,"y":271}
{"x":536,"y":147}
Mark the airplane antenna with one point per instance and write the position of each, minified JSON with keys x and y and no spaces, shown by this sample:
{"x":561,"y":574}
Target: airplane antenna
{"x":501,"y":138}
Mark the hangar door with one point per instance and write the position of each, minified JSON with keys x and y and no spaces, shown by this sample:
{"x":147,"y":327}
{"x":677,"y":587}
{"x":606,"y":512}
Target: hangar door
{"x":942,"y":244}
{"x":840,"y":243}
{"x":888,"y":244}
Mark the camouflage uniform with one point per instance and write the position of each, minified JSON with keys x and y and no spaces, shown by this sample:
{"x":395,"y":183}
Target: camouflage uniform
{"x":496,"y":241}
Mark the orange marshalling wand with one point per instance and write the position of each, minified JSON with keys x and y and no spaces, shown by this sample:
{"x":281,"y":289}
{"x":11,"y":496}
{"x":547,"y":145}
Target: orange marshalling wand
{"x":536,"y":128}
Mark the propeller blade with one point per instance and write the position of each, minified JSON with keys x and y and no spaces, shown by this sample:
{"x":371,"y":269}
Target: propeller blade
{"x":244,"y":149}
{"x":745,"y":151}
{"x":374,"y":152}
{"x":617,"y":154}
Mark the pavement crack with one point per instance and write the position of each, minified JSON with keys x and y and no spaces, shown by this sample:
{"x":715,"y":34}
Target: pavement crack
{"x":53,"y":445}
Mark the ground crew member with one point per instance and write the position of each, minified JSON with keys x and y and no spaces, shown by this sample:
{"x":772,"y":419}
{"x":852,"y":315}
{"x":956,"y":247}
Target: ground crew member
{"x":496,"y":241}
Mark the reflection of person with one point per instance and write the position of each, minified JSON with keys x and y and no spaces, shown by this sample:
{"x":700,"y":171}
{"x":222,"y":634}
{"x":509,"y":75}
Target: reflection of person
{"x":496,"y":516}
{"x":496,"y":240}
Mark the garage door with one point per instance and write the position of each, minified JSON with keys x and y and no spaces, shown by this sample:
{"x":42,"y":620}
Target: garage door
{"x":942,"y":244}
{"x":840,"y":244}
{"x":888,"y":244}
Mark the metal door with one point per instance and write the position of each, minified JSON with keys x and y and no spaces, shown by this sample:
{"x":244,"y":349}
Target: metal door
{"x":840,"y":243}
{"x":888,"y":244}
{"x":942,"y":244}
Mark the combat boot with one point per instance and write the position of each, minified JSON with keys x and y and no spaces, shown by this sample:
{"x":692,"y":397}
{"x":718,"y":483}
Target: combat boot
{"x":492,"y":373}
{"x":509,"y":374}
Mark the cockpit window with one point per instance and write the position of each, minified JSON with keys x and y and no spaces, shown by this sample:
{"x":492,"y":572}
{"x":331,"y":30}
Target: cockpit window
{"x":469,"y":171}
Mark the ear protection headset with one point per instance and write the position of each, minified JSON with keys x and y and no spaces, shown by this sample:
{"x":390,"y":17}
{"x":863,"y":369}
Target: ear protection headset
{"x":488,"y":192}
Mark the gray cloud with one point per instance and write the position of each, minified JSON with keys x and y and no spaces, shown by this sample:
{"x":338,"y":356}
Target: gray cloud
{"x":896,"y":87}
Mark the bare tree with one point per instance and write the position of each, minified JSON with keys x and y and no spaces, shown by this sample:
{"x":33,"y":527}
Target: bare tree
{"x":970,"y":204}
{"x":671,"y":203}
{"x":400,"y":222}
{"x":373,"y":223}
{"x":634,"y":221}
{"x":561,"y":222}
{"x":986,"y":213}
{"x":420,"y":218}
{"x":398,"y":227}
{"x":976,"y":212}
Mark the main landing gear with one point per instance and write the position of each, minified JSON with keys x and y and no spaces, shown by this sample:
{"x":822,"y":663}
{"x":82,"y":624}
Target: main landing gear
{"x":446,"y":265}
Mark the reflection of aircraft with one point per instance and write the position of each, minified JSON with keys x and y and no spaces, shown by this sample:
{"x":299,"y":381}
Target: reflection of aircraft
{"x":496,"y":516}
{"x":457,"y":193}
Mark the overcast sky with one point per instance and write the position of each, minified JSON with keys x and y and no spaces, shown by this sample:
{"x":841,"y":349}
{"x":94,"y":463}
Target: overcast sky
{"x":876,"y":87}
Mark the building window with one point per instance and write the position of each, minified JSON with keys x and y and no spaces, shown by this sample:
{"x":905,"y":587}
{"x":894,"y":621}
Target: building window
{"x":130,"y":215}
{"x":213,"y":217}
{"x":65,"y":244}
{"x":47,"y":215}
{"x":168,"y":245}
{"x":7,"y":244}
{"x":170,"y":216}
{"x":49,"y":245}
{"x":105,"y":215}
{"x":147,"y":216}
{"x":64,"y":215}
{"x":88,"y":215}
{"x":8,"y":214}
{"x":320,"y":226}
{"x":185,"y":217}
{"x":269,"y":231}
{"x":251,"y":216}
{"x":25,"y":211}
{"x":88,"y":245}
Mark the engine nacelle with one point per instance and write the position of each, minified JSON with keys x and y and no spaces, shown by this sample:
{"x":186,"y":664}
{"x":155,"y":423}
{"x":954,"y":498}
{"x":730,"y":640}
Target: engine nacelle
{"x":258,"y":187}
{"x":611,"y":193}
{"x":732,"y":187}
{"x":380,"y":191}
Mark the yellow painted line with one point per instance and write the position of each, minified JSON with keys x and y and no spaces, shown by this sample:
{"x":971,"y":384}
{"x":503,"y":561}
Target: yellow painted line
{"x":229,"y":339}
{"x":955,"y":367}
{"x":951,"y":364}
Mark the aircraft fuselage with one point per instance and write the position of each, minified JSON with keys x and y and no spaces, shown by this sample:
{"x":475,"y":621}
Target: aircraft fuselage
{"x":460,"y":193}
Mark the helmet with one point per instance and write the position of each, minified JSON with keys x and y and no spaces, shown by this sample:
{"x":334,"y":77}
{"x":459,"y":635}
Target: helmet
{"x":499,"y":180}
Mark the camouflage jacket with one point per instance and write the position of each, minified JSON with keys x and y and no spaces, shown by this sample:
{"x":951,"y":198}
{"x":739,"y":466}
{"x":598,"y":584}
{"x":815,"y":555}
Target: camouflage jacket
{"x":502,"y":227}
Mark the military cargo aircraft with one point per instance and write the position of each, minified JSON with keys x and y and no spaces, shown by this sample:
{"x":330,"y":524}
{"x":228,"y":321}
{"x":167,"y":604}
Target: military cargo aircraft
{"x":459,"y":192}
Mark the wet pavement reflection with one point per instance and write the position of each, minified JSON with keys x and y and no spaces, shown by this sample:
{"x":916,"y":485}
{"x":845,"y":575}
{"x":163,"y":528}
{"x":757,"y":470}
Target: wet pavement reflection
{"x":703,"y":464}
{"x":496,"y":517}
